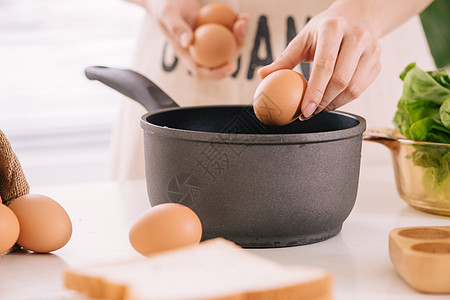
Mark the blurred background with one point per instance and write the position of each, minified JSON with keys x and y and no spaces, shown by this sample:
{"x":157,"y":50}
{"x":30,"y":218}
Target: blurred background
{"x":58,"y":122}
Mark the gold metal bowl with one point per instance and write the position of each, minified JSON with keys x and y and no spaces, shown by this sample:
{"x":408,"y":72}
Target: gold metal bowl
{"x":422,"y":170}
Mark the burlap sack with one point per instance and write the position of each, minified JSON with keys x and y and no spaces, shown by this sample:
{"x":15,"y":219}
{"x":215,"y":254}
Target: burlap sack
{"x":13,"y":183}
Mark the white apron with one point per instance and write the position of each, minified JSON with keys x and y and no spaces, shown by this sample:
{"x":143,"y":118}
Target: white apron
{"x":272,"y":24}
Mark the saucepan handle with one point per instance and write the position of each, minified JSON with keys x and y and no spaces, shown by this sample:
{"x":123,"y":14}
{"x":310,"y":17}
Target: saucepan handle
{"x":132,"y":85}
{"x":382,"y":136}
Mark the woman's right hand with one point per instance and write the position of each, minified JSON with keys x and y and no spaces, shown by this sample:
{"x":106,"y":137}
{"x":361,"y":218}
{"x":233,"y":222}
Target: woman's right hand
{"x":177,"y":19}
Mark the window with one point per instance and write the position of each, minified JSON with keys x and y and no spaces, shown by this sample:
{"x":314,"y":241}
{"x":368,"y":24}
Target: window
{"x":58,"y":122}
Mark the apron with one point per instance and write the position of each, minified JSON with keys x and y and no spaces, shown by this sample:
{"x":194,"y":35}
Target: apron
{"x":272,"y":24}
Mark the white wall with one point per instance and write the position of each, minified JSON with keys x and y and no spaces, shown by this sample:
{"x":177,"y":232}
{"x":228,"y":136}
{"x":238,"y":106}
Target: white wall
{"x":58,"y":122}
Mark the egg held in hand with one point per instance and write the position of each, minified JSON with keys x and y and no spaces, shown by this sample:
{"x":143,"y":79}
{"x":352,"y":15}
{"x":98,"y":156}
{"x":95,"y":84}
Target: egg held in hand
{"x":213,"y":46}
{"x":278,"y":97}
{"x":165,"y":227}
{"x":9,"y":228}
{"x":44,"y":224}
{"x":218,"y":13}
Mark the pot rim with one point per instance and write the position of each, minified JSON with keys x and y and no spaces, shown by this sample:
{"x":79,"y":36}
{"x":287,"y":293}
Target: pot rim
{"x":237,"y":138}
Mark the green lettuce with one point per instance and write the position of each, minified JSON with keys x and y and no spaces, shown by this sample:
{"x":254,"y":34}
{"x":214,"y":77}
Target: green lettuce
{"x":423,"y":111}
{"x":423,"y":114}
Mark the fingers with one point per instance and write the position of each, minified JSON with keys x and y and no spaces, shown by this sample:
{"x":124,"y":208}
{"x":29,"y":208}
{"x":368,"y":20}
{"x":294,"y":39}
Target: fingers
{"x":289,"y":58}
{"x":240,"y":29}
{"x":175,"y":26}
{"x":346,"y":61}
{"x":351,"y":50}
{"x":180,"y":36}
{"x":216,"y":73}
{"x":328,"y":44}
{"x":367,"y":70}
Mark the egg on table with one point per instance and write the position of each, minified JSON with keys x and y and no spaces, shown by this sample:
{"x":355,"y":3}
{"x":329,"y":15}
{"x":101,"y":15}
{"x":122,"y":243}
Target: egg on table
{"x":9,"y":228}
{"x":278,"y":97}
{"x":165,"y":227}
{"x":44,"y":224}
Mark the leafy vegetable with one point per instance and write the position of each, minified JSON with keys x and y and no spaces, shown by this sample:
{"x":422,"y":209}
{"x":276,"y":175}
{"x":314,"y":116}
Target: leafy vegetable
{"x":444,"y":112}
{"x":423,"y":114}
{"x":423,"y":111}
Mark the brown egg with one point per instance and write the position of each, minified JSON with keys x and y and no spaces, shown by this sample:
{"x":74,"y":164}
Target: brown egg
{"x":213,"y":45}
{"x":278,"y":97}
{"x":216,"y":13}
{"x":9,"y":228}
{"x":165,"y":227}
{"x":44,"y":224}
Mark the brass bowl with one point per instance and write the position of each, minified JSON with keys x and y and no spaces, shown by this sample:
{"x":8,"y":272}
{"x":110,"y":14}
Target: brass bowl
{"x":422,"y":170}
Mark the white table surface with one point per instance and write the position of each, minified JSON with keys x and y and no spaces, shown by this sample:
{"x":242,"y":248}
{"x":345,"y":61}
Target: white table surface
{"x":102,"y":214}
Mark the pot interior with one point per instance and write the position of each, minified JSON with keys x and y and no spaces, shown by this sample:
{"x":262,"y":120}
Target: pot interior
{"x":242,"y":120}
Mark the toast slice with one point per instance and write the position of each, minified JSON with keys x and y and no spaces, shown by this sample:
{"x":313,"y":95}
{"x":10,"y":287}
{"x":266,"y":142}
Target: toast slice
{"x":215,"y":270}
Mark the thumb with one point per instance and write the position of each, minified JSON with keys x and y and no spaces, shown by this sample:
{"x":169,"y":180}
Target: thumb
{"x":185,"y":37}
{"x":291,"y":56}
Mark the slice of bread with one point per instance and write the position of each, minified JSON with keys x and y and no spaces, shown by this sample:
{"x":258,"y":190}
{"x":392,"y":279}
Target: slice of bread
{"x":215,"y":270}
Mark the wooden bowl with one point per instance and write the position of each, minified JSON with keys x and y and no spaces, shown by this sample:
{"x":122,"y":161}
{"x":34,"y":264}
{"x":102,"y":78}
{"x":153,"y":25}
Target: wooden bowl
{"x":421,"y":256}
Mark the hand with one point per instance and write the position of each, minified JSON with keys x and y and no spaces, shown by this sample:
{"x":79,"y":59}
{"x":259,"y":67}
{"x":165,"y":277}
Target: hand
{"x":177,"y":18}
{"x":345,"y":55}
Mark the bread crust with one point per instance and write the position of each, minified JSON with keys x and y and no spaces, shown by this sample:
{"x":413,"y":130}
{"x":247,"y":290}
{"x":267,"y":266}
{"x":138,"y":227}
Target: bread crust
{"x":95,"y":287}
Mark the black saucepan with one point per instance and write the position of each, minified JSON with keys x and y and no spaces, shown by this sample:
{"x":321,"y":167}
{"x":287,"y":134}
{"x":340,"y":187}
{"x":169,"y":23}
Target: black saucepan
{"x":253,"y":184}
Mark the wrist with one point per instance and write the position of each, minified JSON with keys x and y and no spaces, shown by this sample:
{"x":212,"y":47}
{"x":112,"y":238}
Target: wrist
{"x":380,"y":16}
{"x":361,"y":12}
